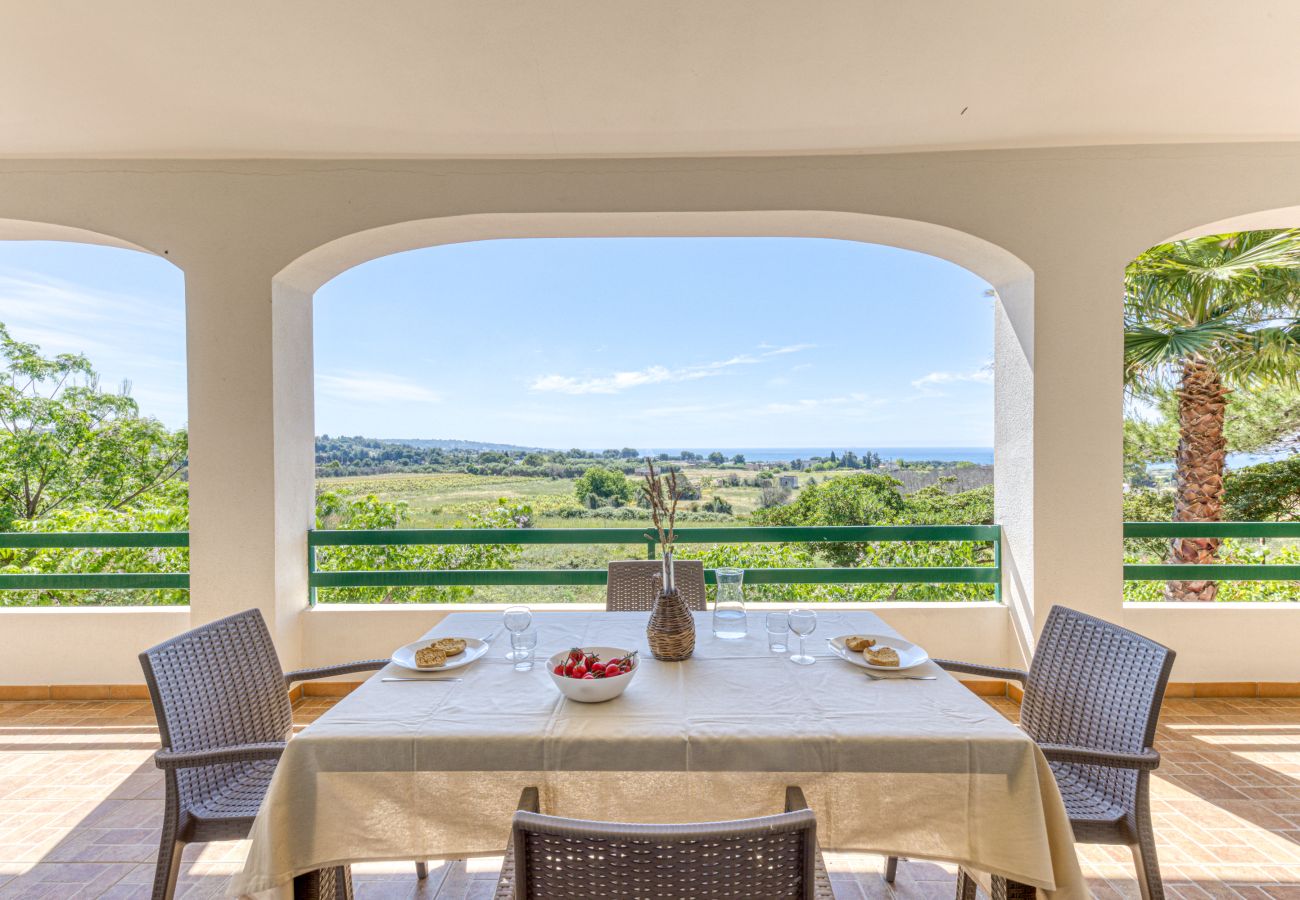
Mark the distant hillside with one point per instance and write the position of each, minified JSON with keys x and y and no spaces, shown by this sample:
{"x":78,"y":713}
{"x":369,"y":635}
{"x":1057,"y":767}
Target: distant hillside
{"x":453,"y":444}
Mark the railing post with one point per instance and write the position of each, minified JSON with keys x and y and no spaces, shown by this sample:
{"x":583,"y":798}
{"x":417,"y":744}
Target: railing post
{"x":650,"y":546}
{"x":311,"y":570}
{"x":997,"y":565}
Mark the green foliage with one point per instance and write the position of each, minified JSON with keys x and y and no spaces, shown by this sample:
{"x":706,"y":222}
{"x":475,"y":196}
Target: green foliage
{"x":336,"y":511}
{"x":852,"y":500}
{"x":164,"y":509}
{"x":865,"y":499}
{"x":1228,"y":299}
{"x":1148,"y":505}
{"x":1232,"y":551}
{"x":65,"y":444}
{"x":717,"y":505}
{"x":604,"y":484}
{"x":1267,"y":492}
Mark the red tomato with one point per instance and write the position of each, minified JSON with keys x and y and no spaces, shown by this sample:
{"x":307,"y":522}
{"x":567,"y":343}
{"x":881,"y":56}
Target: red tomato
{"x":588,"y":677}
{"x":579,"y":671}
{"x":612,"y":669}
{"x":559,"y":670}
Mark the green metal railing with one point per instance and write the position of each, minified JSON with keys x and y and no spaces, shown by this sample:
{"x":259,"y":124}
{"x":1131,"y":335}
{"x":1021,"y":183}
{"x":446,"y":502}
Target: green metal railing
{"x":93,"y":540}
{"x":638,"y":536}
{"x":1213,"y":571}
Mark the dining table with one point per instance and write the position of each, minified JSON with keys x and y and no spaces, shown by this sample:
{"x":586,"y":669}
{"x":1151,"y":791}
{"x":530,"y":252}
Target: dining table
{"x":433,"y":768}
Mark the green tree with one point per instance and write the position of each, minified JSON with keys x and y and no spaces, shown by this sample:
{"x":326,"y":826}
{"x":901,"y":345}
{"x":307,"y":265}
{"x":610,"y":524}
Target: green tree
{"x":1265,"y":492}
{"x":1209,"y":315}
{"x":64,"y":443}
{"x":739,"y":459}
{"x":717,"y":458}
{"x":603,"y":484}
{"x":629,"y":453}
{"x":861,"y":499}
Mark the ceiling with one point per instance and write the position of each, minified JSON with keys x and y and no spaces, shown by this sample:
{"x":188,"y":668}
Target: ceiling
{"x":540,"y":78}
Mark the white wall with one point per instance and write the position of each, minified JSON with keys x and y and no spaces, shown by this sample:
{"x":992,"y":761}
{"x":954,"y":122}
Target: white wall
{"x":1051,"y":229}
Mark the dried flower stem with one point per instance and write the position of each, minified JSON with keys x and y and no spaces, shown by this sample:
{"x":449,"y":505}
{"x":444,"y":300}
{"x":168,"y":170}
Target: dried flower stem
{"x":662,"y":494}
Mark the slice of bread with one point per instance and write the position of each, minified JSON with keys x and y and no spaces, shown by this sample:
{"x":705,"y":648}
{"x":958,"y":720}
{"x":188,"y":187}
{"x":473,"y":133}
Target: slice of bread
{"x":431,"y":657}
{"x":881,"y":656}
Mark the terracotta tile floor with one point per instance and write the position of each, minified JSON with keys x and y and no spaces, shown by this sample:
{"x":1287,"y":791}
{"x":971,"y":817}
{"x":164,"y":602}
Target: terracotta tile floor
{"x":80,"y":802}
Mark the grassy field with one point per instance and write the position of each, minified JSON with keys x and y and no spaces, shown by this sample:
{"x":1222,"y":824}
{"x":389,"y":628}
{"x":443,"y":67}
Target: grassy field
{"x":441,"y":500}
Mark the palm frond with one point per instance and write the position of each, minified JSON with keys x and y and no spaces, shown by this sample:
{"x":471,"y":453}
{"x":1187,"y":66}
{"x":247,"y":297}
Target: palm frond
{"x":1233,"y":299}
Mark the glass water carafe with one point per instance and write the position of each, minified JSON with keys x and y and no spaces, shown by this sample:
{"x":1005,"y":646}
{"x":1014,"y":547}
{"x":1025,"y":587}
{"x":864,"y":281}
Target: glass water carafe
{"x":729,"y":605}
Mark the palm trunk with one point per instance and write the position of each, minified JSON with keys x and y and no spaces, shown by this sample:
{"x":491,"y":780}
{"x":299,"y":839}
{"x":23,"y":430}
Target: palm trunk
{"x":1202,"y":449}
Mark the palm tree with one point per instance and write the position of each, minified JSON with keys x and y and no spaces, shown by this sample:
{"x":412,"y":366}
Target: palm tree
{"x":1208,"y":316}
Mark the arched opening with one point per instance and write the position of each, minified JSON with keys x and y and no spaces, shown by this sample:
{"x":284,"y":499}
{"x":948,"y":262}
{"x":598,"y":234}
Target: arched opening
{"x":1010,"y":281}
{"x":92,"y":338}
{"x":1211,"y":432}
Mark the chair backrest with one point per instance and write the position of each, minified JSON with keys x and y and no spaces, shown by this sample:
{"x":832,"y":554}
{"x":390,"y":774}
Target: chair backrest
{"x":218,"y":685}
{"x":1094,"y":684}
{"x":772,"y":857}
{"x":631,"y":586}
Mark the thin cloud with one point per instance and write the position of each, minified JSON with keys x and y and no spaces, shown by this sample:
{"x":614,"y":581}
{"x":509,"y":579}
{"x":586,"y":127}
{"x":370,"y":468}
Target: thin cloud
{"x":622,"y":381}
{"x":926,"y":384}
{"x":374,"y":387}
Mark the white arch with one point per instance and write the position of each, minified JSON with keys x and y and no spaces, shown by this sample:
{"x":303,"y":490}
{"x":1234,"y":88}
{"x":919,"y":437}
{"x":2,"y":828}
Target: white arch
{"x":1260,"y":220}
{"x":24,"y":230}
{"x":994,"y":264}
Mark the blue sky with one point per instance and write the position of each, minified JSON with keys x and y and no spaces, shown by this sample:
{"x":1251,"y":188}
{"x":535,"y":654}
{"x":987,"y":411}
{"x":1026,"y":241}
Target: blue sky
{"x":654,"y":342}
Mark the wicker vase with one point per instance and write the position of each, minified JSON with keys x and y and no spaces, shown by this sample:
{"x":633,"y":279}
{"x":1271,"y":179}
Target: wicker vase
{"x":671,"y":631}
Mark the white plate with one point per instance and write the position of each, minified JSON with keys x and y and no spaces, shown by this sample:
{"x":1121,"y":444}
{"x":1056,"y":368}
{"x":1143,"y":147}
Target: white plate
{"x":909,"y":655}
{"x":405,"y":656}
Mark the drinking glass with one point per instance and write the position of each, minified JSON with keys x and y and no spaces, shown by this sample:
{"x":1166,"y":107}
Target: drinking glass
{"x":517,"y":619}
{"x":803,"y":622}
{"x":778,"y":626}
{"x":522,"y":644}
{"x":729,"y":606}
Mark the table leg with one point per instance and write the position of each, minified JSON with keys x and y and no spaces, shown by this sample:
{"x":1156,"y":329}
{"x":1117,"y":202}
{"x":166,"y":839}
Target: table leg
{"x":334,"y":883}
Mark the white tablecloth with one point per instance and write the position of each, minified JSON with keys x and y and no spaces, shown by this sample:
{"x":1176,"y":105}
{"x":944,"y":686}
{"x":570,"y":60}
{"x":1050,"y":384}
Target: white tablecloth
{"x":921,"y":769}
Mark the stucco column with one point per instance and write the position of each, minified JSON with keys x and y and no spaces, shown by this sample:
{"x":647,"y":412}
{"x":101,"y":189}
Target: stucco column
{"x":251,"y":452}
{"x":1059,"y":441}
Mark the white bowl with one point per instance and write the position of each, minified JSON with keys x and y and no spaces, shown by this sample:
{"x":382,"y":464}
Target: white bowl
{"x":593,"y":690}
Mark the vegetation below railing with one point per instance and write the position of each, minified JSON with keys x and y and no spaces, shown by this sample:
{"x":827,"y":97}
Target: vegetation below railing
{"x":1250,"y":570}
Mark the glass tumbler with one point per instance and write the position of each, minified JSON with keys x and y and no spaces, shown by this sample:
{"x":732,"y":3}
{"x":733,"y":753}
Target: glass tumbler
{"x":516,"y":619}
{"x":522,"y":645}
{"x":778,"y":631}
{"x":729,"y":605}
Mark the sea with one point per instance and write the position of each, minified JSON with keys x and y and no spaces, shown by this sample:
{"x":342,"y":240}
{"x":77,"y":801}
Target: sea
{"x":978,"y":455}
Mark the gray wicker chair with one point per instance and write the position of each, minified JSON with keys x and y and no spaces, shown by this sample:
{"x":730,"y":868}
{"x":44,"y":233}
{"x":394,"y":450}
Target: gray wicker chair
{"x":222,"y":704}
{"x":1092,"y":699}
{"x":631,"y":586}
{"x":772,"y":857}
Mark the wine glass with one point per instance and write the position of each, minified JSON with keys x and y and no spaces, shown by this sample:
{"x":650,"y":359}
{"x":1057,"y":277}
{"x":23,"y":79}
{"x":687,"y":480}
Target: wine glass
{"x":517,"y":619}
{"x":803,"y":622}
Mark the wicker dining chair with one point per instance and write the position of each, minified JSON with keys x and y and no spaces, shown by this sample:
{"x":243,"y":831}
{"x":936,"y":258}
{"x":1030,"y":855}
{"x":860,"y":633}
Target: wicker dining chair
{"x":631,"y":586}
{"x":1091,"y":701}
{"x":773,"y":857}
{"x":222,"y":704}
